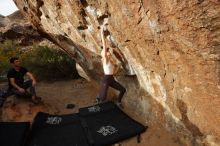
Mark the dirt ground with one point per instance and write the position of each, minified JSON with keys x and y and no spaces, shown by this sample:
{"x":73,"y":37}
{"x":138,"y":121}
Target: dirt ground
{"x":55,"y":97}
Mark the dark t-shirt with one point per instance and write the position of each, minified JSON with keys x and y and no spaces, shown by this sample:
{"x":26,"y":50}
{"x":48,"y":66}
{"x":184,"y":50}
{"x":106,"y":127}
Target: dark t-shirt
{"x":17,"y":75}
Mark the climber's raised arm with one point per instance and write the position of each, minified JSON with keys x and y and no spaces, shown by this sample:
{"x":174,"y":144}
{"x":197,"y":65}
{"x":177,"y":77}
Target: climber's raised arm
{"x":103,"y":42}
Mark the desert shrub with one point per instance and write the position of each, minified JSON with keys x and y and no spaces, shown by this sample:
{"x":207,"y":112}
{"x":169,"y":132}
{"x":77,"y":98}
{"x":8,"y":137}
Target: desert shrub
{"x":7,"y":49}
{"x":49,"y":64}
{"x":44,"y":62}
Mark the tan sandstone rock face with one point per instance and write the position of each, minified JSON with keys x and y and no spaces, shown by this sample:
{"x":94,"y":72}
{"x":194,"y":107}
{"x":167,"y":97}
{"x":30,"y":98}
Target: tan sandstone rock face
{"x":172,"y":46}
{"x":17,"y":27}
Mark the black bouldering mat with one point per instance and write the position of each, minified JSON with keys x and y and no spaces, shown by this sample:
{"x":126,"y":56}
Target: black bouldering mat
{"x":106,"y":124}
{"x":55,"y":130}
{"x":13,"y":133}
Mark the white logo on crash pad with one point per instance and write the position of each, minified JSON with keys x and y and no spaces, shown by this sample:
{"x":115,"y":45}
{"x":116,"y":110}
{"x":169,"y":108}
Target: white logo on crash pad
{"x":54,"y":120}
{"x":94,"y":109}
{"x":107,"y":130}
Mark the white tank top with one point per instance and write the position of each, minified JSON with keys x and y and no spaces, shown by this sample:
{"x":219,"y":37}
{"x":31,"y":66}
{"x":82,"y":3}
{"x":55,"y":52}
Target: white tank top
{"x":108,"y":68}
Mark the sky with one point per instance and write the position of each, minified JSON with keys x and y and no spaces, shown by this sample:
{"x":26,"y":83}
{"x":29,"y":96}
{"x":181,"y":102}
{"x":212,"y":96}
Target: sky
{"x":7,"y":7}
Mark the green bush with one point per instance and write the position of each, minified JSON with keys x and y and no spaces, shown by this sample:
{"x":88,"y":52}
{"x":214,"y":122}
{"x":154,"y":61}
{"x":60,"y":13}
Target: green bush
{"x":7,"y":49}
{"x":44,"y":62}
